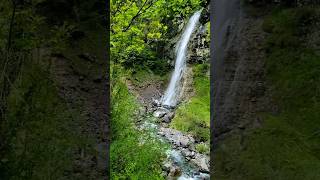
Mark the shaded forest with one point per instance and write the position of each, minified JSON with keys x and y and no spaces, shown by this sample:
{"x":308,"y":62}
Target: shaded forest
{"x":52,"y":53}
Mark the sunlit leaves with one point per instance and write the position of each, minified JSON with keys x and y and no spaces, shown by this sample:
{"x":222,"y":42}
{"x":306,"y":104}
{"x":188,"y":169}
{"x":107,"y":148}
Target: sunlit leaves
{"x":138,"y":25}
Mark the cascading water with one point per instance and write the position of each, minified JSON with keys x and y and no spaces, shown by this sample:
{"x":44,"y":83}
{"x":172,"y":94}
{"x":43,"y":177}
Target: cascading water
{"x":171,"y":95}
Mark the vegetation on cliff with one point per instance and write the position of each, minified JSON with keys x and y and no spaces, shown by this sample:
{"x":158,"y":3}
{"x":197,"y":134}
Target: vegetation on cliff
{"x":287,"y":144}
{"x":40,"y":133}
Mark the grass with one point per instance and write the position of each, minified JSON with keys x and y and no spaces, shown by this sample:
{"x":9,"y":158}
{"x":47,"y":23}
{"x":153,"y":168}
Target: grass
{"x":203,"y":148}
{"x":194,"y":116}
{"x":129,"y":157}
{"x":287,"y":146}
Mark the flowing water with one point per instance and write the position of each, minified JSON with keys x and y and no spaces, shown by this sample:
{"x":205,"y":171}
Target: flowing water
{"x":171,"y":98}
{"x":172,"y":93}
{"x":188,"y":171}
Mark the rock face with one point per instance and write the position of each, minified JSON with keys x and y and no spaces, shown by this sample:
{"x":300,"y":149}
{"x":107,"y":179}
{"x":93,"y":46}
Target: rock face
{"x":238,"y":68}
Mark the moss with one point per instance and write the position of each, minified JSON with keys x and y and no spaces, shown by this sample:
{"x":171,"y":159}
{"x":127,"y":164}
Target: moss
{"x":287,"y":145}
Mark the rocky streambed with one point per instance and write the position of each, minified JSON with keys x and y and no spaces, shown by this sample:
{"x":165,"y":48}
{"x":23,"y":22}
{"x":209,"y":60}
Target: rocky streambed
{"x":183,"y":160}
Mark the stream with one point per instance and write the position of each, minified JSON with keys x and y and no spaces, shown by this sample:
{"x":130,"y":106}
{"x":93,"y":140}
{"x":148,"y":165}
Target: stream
{"x":179,"y":164}
{"x":183,"y":161}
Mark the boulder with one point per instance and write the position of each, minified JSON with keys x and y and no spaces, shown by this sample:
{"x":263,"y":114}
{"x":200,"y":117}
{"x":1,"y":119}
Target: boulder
{"x":168,"y":117}
{"x":201,"y":162}
{"x":184,"y":141}
{"x":166,"y":166}
{"x":155,"y":102}
{"x":160,"y":112}
{"x":174,"y":171}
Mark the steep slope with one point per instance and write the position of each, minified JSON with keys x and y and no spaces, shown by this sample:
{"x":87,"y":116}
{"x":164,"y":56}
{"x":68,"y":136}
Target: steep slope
{"x":53,"y":101}
{"x":265,"y":123}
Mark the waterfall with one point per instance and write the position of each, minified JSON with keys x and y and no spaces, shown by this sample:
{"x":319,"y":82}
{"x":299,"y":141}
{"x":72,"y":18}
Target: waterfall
{"x":172,"y":93}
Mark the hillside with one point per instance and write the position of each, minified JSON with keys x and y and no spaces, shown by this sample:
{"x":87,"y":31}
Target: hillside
{"x":267,"y":98}
{"x":53,"y":95}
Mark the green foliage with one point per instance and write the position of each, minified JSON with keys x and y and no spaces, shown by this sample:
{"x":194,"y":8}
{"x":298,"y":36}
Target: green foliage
{"x":40,"y":134}
{"x":203,"y":148}
{"x":40,"y":142}
{"x":287,"y":145}
{"x":194,"y":116}
{"x":139,"y":31}
{"x":133,"y":154}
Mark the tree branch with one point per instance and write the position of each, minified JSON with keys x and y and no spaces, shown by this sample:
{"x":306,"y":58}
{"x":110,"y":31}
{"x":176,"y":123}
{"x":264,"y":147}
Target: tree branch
{"x":141,"y":10}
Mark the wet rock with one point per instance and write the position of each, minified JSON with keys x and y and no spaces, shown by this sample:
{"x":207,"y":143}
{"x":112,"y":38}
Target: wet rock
{"x":188,"y":158}
{"x":168,"y":107}
{"x":177,"y":138}
{"x":168,"y":117}
{"x":202,"y":162}
{"x":160,"y":112}
{"x":184,"y":141}
{"x":166,"y":166}
{"x":156,"y":103}
{"x":192,"y":154}
{"x":175,"y":171}
{"x":203,"y":176}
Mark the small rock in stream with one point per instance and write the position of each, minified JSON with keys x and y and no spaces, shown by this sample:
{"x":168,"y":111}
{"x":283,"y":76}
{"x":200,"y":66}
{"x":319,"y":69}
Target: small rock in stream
{"x":175,"y":171}
{"x":201,"y":162}
{"x":156,"y":102}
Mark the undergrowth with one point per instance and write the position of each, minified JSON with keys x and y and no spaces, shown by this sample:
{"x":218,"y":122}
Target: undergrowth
{"x":133,"y":154}
{"x":37,"y":127}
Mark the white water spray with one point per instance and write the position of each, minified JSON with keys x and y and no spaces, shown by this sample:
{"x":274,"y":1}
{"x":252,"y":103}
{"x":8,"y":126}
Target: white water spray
{"x":172,"y":93}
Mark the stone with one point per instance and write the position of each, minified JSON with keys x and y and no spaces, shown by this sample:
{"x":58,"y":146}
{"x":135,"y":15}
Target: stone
{"x":168,"y":117}
{"x":166,"y":166}
{"x":192,"y":154}
{"x":155,"y":102}
{"x":142,"y":110}
{"x":175,"y":171}
{"x":201,"y":162}
{"x":160,"y":112}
